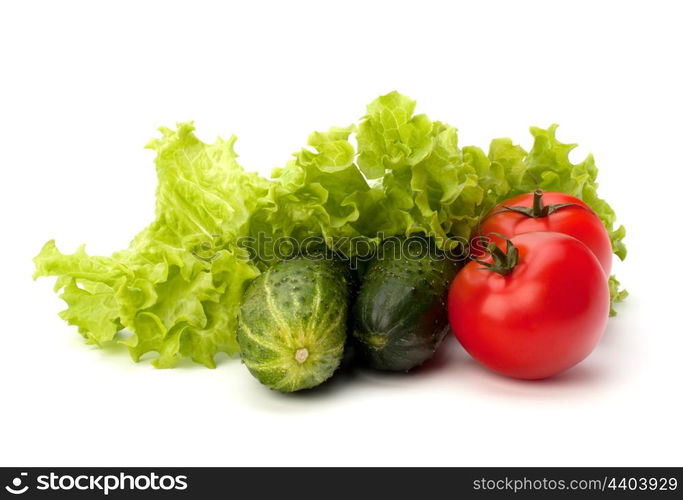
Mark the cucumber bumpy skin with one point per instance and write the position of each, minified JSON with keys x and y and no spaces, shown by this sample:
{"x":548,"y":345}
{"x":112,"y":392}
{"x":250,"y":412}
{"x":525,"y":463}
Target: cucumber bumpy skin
{"x":293,"y":322}
{"x":400,"y":315}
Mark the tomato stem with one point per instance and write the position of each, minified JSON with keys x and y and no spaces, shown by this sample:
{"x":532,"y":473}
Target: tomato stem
{"x":504,"y":262}
{"x":537,"y":209}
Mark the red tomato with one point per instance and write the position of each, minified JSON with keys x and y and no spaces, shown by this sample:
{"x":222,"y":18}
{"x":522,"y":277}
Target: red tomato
{"x":544,"y":316}
{"x":576,"y":220}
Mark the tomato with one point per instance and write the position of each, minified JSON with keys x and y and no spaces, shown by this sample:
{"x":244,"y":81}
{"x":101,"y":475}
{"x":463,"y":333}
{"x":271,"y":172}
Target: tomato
{"x":557,"y":212}
{"x":537,"y":310}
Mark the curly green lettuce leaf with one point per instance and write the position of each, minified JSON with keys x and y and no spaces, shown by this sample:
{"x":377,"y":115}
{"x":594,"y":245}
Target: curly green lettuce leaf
{"x":547,"y":166}
{"x":549,"y":161}
{"x":428,"y":184}
{"x":391,"y":136}
{"x":177,"y":288}
{"x":320,"y":194}
{"x":617,"y":294}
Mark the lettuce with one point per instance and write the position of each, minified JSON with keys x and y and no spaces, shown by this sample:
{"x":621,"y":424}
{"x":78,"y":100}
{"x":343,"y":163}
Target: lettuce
{"x":176,"y":290}
{"x":320,"y":193}
{"x":429,"y":184}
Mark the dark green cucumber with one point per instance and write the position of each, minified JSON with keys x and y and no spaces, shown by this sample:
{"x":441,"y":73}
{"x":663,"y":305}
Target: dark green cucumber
{"x":400,"y":315}
{"x":293,"y":322}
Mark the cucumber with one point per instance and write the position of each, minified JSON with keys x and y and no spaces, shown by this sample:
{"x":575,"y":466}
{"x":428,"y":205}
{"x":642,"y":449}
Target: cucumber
{"x":293,"y":323}
{"x":399,"y":316}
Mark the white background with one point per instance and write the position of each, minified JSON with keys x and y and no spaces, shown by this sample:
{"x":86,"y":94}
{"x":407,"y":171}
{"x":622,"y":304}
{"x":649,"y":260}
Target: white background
{"x":84,"y":86}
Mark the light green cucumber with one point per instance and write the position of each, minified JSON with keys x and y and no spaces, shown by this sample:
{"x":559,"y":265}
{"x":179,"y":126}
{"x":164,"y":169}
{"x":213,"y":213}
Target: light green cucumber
{"x":292,"y":324}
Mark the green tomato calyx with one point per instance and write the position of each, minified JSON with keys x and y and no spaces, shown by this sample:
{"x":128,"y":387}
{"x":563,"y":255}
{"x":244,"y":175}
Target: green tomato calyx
{"x":537,"y":209}
{"x":504,"y":262}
